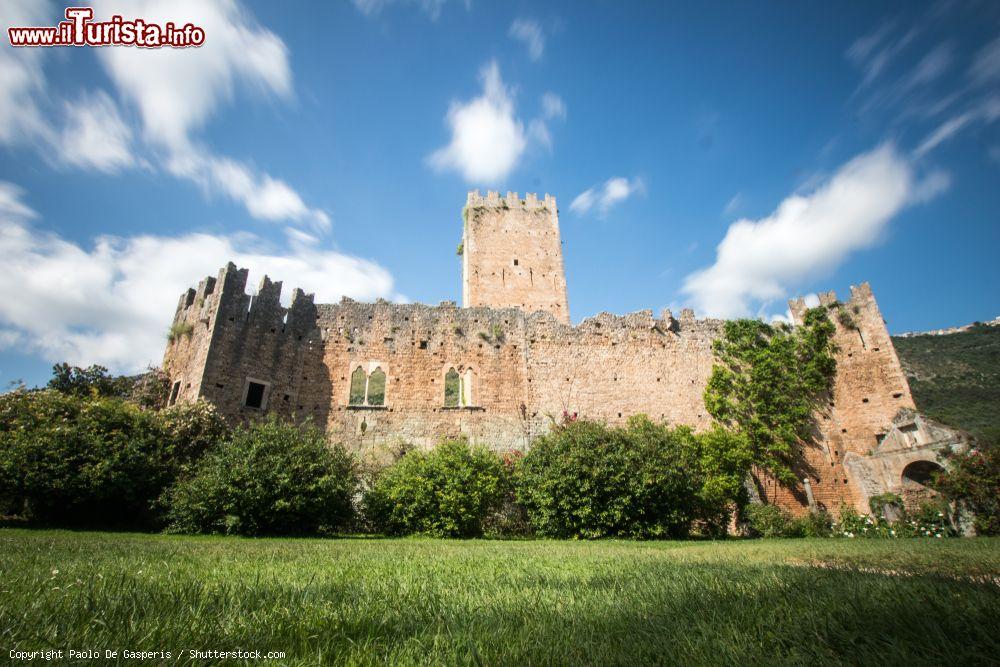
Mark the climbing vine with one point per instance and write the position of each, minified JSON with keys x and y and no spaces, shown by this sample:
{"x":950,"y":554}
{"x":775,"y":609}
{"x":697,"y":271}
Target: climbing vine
{"x":767,"y":383}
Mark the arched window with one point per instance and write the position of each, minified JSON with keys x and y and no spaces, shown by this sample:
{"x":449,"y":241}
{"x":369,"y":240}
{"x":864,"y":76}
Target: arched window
{"x":359,"y":383}
{"x":467,"y":387}
{"x":376,"y":387}
{"x":452,"y":388}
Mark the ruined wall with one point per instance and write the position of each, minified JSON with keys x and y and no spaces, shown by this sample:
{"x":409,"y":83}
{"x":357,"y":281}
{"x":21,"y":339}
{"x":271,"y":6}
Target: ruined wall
{"x":512,"y":255}
{"x":911,"y":439}
{"x":193,"y":328}
{"x":239,"y":338}
{"x":869,"y":390}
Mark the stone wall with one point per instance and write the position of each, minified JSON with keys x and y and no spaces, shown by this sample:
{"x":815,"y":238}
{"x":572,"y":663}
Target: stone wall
{"x":527,"y":369}
{"x":523,"y":364}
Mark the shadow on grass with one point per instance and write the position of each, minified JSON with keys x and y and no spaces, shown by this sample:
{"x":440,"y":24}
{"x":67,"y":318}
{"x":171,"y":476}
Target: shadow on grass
{"x":392,"y":604}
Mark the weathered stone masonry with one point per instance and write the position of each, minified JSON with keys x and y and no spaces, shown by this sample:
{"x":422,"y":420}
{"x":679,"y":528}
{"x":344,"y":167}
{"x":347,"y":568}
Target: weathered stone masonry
{"x":522,"y":364}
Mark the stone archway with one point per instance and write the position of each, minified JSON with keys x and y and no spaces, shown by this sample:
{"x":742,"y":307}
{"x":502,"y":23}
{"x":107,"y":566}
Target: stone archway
{"x":915,"y":481}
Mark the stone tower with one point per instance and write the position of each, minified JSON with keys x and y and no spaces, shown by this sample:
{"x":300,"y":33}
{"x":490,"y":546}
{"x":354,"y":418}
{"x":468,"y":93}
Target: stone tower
{"x":512,"y":255}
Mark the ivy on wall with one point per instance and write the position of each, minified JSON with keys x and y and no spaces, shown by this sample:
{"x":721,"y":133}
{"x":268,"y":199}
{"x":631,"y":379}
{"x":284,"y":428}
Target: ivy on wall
{"x":767,"y":383}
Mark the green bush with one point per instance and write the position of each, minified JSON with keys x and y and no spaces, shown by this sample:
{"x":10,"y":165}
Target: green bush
{"x":269,"y":478}
{"x":509,"y":519}
{"x":888,"y":506}
{"x":74,"y":459}
{"x":77,"y":458}
{"x":973,"y":482}
{"x":189,"y":431}
{"x":447,"y":492}
{"x":813,"y":524}
{"x":584,"y":479}
{"x":770,"y":521}
{"x":150,"y":389}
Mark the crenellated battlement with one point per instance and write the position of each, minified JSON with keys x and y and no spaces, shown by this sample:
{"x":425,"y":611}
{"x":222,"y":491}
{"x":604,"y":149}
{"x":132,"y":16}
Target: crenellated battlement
{"x":531,"y":202}
{"x":861,"y":298}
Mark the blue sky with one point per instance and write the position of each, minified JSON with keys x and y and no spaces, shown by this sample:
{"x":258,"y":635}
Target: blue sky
{"x":721,"y":156}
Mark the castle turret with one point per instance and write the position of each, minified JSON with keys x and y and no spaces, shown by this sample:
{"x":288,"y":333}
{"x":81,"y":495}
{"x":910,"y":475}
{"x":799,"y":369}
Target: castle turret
{"x":512,"y":255}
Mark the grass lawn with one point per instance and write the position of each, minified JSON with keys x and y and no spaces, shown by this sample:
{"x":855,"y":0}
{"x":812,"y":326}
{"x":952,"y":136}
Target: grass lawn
{"x":366,"y":601}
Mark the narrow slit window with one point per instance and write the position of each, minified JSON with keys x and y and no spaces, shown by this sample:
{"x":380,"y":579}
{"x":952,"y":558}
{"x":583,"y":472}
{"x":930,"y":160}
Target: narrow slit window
{"x":176,"y":389}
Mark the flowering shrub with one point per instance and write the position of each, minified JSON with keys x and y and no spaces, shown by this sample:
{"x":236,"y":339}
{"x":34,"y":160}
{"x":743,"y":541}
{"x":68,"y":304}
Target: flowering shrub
{"x":930,"y":521}
{"x":973,"y":481}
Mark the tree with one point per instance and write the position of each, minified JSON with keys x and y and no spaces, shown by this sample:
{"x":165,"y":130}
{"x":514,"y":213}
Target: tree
{"x":81,"y":460}
{"x":92,"y":380}
{"x":767,"y":383}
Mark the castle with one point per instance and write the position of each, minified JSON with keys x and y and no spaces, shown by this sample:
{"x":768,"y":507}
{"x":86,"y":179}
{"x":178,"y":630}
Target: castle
{"x":500,"y":369}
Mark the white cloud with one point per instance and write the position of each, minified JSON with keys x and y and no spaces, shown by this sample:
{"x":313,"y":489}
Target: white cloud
{"x":11,"y":205}
{"x":538,"y":130}
{"x":265,"y":198}
{"x":553,"y":106}
{"x":603,"y":197}
{"x":21,"y":78}
{"x":934,"y":64}
{"x":112,"y":303}
{"x":530,"y":32}
{"x":809,"y":235}
{"x":487,"y":139}
{"x":986,"y":67}
{"x":874,"y":52}
{"x":175,"y":92}
{"x":987,"y":111}
{"x":914,"y":88}
{"x":95,"y":135}
{"x":925,"y":90}
{"x":430,"y":7}
{"x":734,"y":204}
